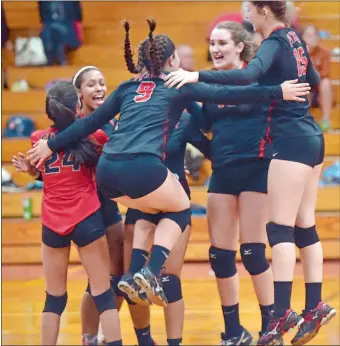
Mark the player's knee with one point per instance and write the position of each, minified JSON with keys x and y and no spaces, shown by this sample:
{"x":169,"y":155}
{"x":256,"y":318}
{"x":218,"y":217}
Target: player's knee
{"x":279,"y":234}
{"x":172,"y":287}
{"x":182,"y":218}
{"x":305,"y":236}
{"x":114,"y":285}
{"x":55,"y":304}
{"x":254,"y":258}
{"x":105,"y":301}
{"x":223,"y":262}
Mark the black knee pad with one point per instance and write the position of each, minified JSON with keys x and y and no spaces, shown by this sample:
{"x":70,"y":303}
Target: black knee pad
{"x":279,"y":234}
{"x":114,"y":285}
{"x":305,"y":236}
{"x":55,"y":304}
{"x":172,"y":287}
{"x":223,"y":262}
{"x":254,"y":258}
{"x":105,"y":301}
{"x":88,"y":288}
{"x":182,"y":218}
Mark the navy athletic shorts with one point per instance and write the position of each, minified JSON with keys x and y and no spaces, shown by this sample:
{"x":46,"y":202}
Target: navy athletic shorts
{"x":134,"y":175}
{"x":84,"y":233}
{"x":249,"y":175}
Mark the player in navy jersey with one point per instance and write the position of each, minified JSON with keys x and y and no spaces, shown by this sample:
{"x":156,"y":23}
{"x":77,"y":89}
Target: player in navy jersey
{"x":70,"y":212}
{"x":237,"y":200}
{"x":148,"y":113}
{"x":294,"y":171}
{"x":186,"y":131}
{"x":91,"y":87}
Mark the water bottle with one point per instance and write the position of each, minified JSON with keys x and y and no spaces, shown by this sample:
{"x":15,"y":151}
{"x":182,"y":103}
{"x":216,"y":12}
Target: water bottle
{"x":27,"y":205}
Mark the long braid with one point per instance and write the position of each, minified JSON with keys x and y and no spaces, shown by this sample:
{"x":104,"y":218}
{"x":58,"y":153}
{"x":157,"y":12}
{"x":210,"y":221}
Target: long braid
{"x":128,"y":55}
{"x":157,"y":47}
{"x":152,"y":46}
{"x":159,"y":61}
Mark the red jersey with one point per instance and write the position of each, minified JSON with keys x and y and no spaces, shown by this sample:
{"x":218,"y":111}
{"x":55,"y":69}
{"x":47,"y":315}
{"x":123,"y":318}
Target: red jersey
{"x":69,"y":193}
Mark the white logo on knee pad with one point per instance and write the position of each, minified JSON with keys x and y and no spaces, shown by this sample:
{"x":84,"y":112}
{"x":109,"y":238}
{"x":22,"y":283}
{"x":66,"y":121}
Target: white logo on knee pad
{"x":247,"y":252}
{"x":165,"y":279}
{"x":212,"y":256}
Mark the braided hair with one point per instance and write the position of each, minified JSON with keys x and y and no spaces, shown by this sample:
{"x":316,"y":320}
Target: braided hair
{"x":153,"y":52}
{"x":61,"y":107}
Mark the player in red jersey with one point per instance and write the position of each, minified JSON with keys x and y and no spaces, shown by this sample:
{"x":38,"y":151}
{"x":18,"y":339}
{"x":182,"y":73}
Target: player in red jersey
{"x":91,"y":87}
{"x":71,"y":212}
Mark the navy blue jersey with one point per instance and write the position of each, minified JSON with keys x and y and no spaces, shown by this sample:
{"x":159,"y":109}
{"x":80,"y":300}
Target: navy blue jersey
{"x":149,"y":111}
{"x":185,"y":131}
{"x":282,"y":56}
{"x":239,"y":132}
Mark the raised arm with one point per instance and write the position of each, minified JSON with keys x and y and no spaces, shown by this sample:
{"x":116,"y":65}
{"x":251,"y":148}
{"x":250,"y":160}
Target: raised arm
{"x":231,"y":94}
{"x":257,"y":67}
{"x":82,"y":128}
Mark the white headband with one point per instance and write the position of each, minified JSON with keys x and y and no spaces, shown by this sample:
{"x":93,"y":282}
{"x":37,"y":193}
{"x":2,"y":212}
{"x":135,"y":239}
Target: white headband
{"x":80,"y":71}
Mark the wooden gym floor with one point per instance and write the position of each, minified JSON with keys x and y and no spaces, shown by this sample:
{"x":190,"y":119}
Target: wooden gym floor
{"x":23,"y":298}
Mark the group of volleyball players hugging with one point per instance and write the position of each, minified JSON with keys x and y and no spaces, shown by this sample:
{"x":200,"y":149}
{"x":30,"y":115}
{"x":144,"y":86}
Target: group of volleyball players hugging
{"x":266,"y":152}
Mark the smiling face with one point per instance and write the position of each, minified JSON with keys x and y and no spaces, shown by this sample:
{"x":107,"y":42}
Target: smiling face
{"x":92,"y":89}
{"x":223,"y":50}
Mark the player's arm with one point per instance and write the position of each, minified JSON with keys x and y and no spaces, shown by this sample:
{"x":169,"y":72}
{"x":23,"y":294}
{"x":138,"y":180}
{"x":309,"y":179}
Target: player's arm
{"x":312,"y":74}
{"x":231,"y":94}
{"x":256,"y":68}
{"x":199,"y":116}
{"x":33,"y":171}
{"x":194,"y":136}
{"x":22,"y":164}
{"x":83,"y":127}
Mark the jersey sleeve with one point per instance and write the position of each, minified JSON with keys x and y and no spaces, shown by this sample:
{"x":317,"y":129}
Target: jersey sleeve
{"x":257,"y":67}
{"x":195,"y":137}
{"x":233,"y":95}
{"x":83,"y":127}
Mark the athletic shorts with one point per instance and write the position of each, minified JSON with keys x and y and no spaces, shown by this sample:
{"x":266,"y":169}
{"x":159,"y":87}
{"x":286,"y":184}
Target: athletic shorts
{"x":109,"y":210}
{"x":84,"y":233}
{"x":134,"y":175}
{"x":309,"y":150}
{"x":249,"y":175}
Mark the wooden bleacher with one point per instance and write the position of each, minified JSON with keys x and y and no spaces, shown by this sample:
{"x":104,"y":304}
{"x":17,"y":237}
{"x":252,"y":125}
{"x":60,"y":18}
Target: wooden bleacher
{"x":38,"y":77}
{"x":28,"y":237}
{"x":103,"y":47}
{"x":12,"y":146}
